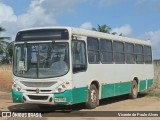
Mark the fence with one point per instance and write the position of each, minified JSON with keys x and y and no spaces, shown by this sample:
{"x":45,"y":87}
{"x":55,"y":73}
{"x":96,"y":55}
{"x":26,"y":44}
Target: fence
{"x":157,"y":73}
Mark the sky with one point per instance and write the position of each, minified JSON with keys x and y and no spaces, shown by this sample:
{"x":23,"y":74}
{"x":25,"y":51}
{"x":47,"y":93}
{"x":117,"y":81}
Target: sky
{"x":133,"y":18}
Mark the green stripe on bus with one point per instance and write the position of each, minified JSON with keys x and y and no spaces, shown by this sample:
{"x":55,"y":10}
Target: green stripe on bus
{"x":79,"y":95}
{"x":107,"y":90}
{"x":121,"y":88}
{"x":115,"y":89}
{"x":67,"y":94}
{"x":76,"y":95}
{"x":149,"y":83}
{"x":17,"y":96}
{"x":124,"y":88}
{"x":116,"y":86}
{"x":142,"y":85}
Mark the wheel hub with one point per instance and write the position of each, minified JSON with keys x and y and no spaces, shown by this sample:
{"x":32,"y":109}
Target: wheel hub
{"x":93,"y":96}
{"x":134,"y":89}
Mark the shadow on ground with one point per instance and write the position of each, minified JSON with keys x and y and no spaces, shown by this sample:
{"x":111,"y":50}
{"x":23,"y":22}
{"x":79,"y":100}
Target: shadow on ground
{"x":112,"y":100}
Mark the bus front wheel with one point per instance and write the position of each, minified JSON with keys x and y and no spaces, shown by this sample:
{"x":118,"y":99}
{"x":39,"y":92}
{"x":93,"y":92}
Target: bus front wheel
{"x":92,"y":97}
{"x":134,"y":90}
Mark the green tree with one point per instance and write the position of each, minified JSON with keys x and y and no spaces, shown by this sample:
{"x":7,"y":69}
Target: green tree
{"x":6,"y":48}
{"x":7,"y":58}
{"x":2,"y":41}
{"x":104,"y":28}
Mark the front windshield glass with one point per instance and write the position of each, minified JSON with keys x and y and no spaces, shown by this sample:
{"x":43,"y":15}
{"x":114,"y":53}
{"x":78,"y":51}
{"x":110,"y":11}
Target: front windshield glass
{"x":42,"y":60}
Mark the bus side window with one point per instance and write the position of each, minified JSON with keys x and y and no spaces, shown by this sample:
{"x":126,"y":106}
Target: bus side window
{"x":93,"y":50}
{"x":79,"y":56}
{"x":147,"y":54}
{"x":129,"y":53}
{"x":118,"y":48}
{"x":138,"y":51}
{"x":106,"y":51}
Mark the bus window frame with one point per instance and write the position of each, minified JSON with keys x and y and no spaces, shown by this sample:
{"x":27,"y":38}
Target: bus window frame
{"x":115,"y":62}
{"x":91,"y":38}
{"x":85,"y":56}
{"x":106,"y":51}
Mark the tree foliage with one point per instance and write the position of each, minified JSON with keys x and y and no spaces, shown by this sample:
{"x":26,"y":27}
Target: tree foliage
{"x":6,"y":49}
{"x":105,"y":29}
{"x":102,"y":28}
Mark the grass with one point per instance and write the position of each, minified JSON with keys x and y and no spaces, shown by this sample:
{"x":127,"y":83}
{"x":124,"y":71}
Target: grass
{"x":153,"y":92}
{"x":5,"y":77}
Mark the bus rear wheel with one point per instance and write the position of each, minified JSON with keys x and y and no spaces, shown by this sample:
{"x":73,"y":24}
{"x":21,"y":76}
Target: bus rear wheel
{"x":134,"y":90}
{"x":92,"y":97}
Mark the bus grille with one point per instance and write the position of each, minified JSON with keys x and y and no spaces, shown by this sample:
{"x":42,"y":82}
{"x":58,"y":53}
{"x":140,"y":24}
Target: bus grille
{"x":42,"y":91}
{"x":32,"y":97}
{"x":38,"y":84}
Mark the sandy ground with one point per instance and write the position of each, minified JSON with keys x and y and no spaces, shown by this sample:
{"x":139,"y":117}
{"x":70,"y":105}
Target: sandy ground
{"x":121,"y":103}
{"x":5,"y":77}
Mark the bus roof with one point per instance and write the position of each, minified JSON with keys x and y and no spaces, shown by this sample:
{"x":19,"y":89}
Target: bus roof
{"x":91,"y":33}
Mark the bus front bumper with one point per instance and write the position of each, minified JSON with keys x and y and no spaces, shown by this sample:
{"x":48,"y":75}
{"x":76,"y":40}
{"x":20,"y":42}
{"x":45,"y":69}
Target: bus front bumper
{"x":58,"y":98}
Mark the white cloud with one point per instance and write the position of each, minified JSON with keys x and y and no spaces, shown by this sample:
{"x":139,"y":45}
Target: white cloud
{"x":87,"y":25}
{"x":154,"y":36}
{"x":40,"y":13}
{"x":6,"y":13}
{"x":125,"y":30}
{"x":35,"y":16}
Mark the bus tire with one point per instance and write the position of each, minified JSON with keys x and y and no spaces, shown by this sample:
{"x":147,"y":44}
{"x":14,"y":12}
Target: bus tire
{"x":93,"y":100}
{"x":134,"y":90}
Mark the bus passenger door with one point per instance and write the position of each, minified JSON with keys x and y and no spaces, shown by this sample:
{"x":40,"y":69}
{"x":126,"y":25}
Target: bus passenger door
{"x":79,"y":66}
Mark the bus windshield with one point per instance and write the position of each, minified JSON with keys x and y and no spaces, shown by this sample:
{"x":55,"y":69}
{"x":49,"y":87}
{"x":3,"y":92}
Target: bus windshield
{"x":41,"y":60}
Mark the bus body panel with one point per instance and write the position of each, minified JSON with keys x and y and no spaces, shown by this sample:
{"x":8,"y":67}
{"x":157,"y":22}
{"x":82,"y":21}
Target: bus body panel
{"x":115,"y":79}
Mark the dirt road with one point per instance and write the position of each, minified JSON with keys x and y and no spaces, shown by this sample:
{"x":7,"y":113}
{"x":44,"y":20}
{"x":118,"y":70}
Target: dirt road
{"x":5,"y":77}
{"x":121,"y":103}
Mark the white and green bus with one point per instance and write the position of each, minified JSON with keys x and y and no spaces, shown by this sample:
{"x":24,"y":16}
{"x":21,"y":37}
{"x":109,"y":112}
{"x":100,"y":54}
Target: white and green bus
{"x":66,"y":66}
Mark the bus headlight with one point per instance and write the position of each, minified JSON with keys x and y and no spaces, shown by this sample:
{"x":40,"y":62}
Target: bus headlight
{"x":16,"y":87}
{"x":62,"y":87}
